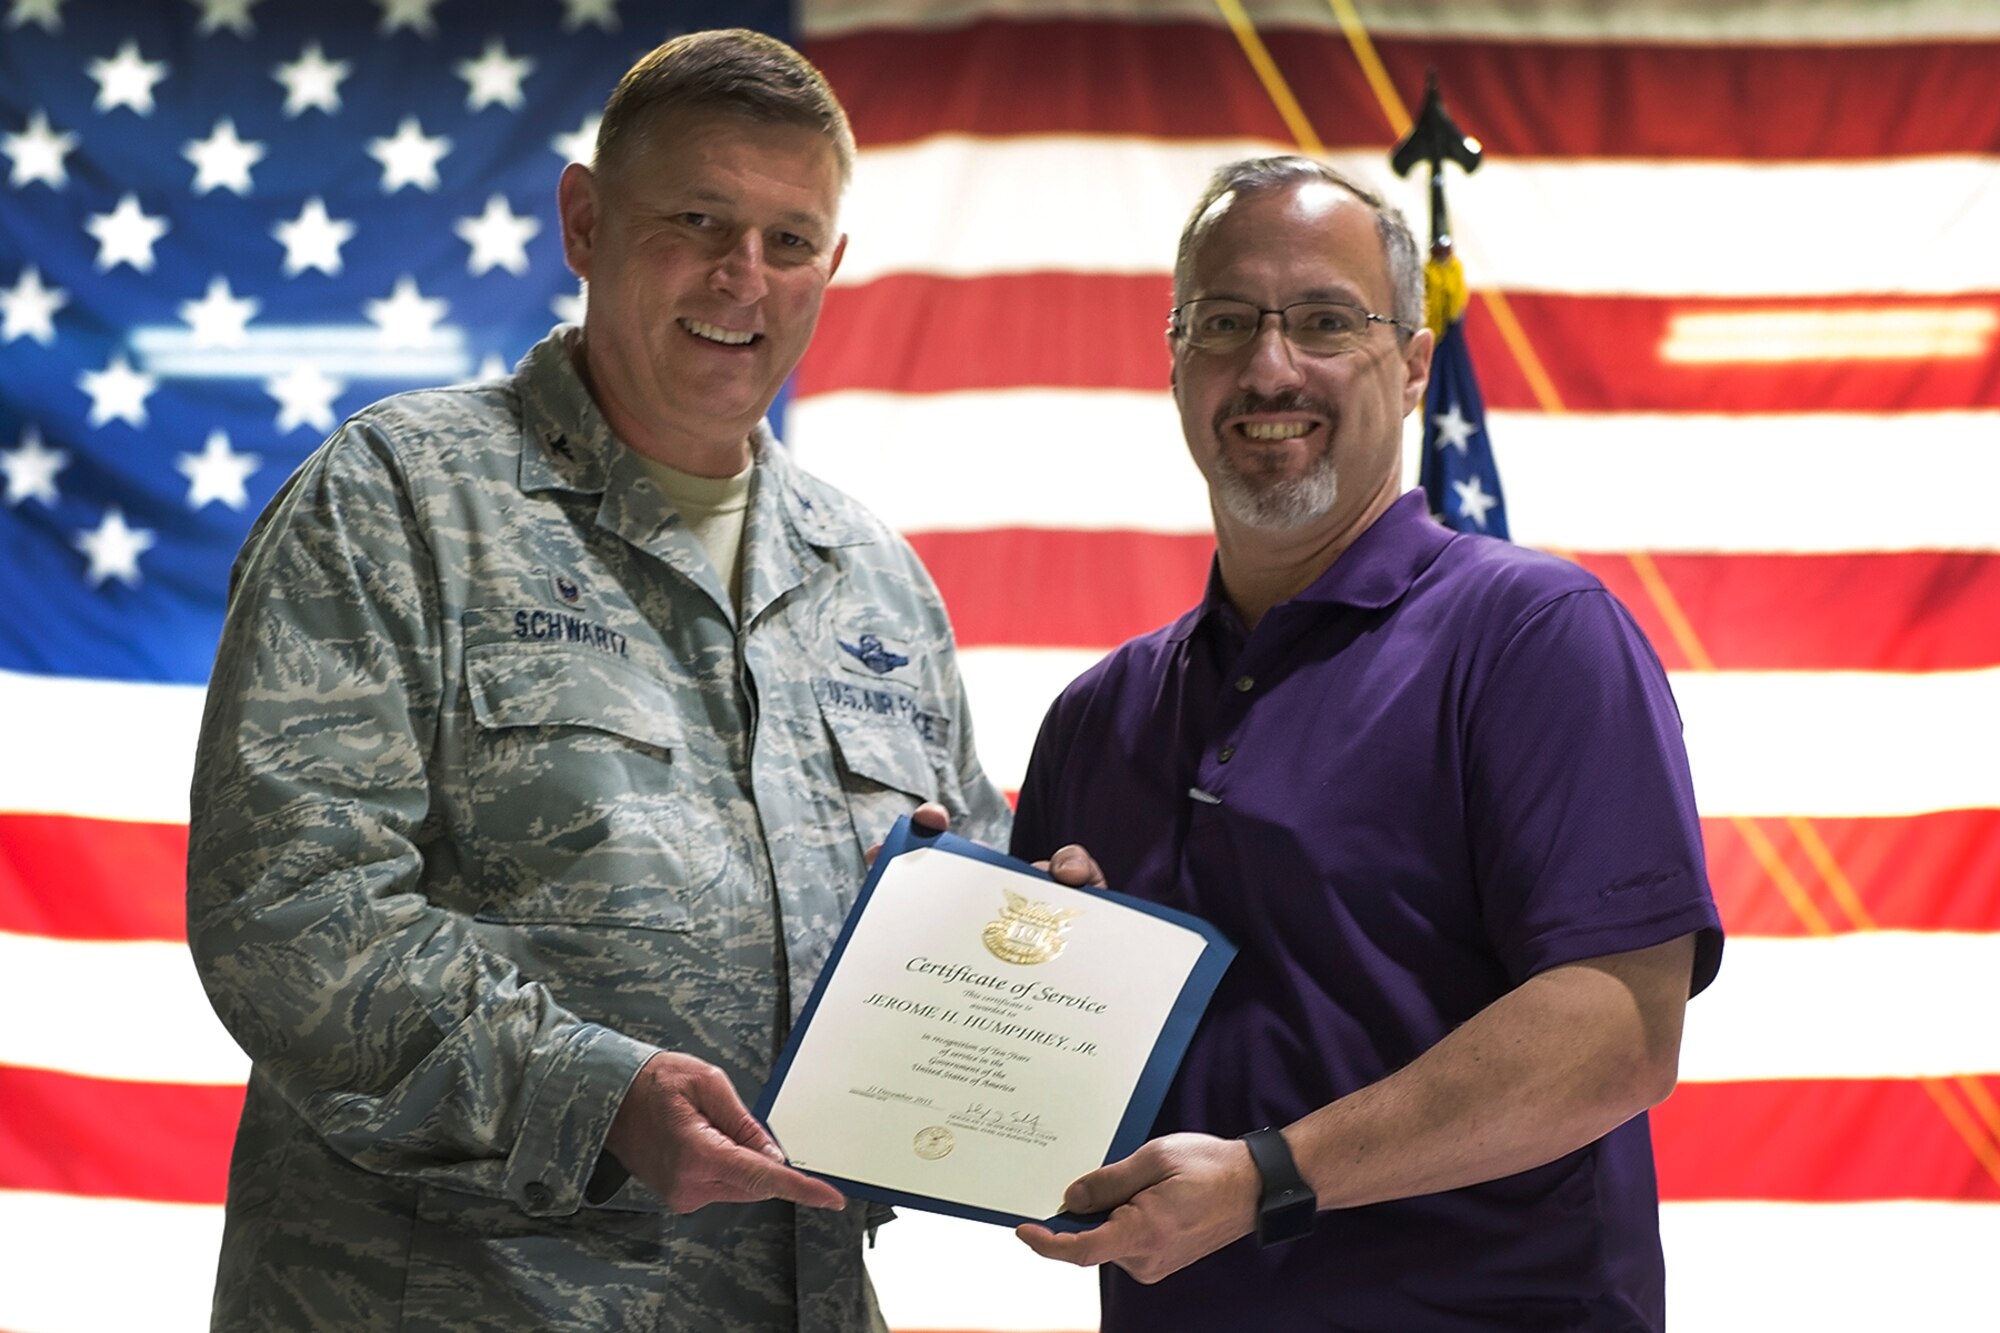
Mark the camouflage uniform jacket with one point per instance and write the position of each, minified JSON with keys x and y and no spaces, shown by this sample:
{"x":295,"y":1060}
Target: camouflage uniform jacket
{"x":496,"y":794}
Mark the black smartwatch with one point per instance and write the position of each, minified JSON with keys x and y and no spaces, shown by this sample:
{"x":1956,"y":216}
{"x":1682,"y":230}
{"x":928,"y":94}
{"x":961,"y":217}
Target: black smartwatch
{"x":1286,"y":1207}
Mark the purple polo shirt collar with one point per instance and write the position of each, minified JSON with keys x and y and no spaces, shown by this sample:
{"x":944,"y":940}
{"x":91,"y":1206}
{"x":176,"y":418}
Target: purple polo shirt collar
{"x":1375,"y":572}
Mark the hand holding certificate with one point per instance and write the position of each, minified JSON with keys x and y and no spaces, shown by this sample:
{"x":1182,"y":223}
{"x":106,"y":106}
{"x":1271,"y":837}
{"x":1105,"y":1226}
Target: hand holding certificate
{"x":983,"y":1035}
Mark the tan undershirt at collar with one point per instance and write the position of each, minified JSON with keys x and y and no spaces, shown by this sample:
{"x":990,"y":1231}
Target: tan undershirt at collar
{"x":714,"y":509}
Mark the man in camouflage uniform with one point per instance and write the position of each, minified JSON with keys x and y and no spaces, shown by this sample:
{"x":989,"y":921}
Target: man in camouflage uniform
{"x":537,"y":774}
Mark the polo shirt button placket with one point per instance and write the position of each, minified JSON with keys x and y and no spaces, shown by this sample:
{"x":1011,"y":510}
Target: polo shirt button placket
{"x":1222,"y":756}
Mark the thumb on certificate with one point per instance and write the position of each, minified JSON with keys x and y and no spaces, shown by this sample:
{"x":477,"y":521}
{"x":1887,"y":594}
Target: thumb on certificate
{"x":1074,"y":866}
{"x":930,"y":815}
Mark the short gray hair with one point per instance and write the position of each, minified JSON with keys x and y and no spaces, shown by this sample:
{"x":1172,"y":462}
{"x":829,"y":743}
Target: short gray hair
{"x":1254,"y":175}
{"x":732,"y":71}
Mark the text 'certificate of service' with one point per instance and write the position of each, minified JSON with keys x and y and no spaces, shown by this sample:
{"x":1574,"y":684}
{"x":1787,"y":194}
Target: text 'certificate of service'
{"x":982,"y":1035}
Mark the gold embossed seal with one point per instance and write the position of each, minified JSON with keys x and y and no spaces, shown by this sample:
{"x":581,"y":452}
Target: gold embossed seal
{"x":1026,"y":931}
{"x":932,"y":1142}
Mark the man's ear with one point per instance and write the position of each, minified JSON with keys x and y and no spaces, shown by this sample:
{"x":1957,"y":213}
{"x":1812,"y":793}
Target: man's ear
{"x":577,"y":206}
{"x":1417,"y":368}
{"x":839,"y":249}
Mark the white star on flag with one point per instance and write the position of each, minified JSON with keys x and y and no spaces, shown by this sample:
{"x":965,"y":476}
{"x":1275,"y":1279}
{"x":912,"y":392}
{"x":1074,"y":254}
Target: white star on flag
{"x":313,"y":240}
{"x":1473,"y":501}
{"x":117,"y":392}
{"x":1453,"y":429}
{"x":126,"y":235}
{"x":127,"y":80}
{"x":494,"y":77}
{"x":569,"y":308}
{"x":579,"y":146}
{"x":499,"y":237}
{"x":45,"y":14}
{"x":231,"y":14}
{"x":31,"y":470}
{"x":38,"y":153}
{"x":114,"y":549}
{"x":222,"y":161}
{"x":217,"y":473}
{"x":410,"y":158}
{"x":407,"y":318}
{"x":305,"y":397}
{"x":412,"y":14}
{"x":218,"y":319}
{"x":28,"y":309}
{"x":603,"y":13}
{"x":312,"y":82}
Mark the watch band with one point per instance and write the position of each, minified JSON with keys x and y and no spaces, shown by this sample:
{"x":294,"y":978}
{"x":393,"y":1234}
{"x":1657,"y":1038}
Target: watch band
{"x":1287,"y":1205}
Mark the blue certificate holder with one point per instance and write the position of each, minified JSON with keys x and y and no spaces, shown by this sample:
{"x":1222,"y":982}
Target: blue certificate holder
{"x":982,"y":1035}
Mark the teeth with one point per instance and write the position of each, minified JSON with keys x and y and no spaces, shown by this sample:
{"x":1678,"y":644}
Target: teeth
{"x":1275,"y":430}
{"x":715,"y":334}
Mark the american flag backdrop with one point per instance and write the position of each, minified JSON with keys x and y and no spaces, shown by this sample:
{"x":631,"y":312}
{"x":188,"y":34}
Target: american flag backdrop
{"x":1735,"y":320}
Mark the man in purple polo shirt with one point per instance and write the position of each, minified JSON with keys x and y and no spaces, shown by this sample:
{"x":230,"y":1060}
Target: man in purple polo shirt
{"x":1433,"y":787}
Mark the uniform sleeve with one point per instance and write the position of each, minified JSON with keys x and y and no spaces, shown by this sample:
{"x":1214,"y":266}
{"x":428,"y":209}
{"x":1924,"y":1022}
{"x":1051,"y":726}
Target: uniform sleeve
{"x":378,"y":1015}
{"x":1580,"y":804}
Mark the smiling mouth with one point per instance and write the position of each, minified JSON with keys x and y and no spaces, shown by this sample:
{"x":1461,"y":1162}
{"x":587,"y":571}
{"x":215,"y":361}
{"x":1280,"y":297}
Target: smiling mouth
{"x":716,"y":334}
{"x":1269,"y":431}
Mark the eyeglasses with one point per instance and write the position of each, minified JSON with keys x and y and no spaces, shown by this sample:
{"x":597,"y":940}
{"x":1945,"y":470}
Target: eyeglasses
{"x":1322,"y":328}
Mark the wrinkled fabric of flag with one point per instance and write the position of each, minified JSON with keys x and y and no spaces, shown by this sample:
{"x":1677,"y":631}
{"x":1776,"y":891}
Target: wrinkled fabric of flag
{"x":1748,"y":374}
{"x":226,"y":226}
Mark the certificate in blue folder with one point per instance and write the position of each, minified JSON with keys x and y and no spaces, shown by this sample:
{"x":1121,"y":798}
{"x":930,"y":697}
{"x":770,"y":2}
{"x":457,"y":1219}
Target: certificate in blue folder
{"x":982,"y":1035}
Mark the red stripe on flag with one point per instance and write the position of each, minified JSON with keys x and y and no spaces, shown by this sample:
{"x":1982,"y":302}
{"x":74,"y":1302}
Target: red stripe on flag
{"x":1919,"y":872}
{"x":1096,"y":588}
{"x":1760,"y":101}
{"x":1902,"y":611}
{"x":164,"y":1142}
{"x":1810,"y":1140}
{"x":915,"y":333}
{"x":1923,"y":872}
{"x":92,"y":879}
{"x":1826,"y":1141}
{"x":919,"y":333}
{"x":1906,"y":611}
{"x":1612,"y":359}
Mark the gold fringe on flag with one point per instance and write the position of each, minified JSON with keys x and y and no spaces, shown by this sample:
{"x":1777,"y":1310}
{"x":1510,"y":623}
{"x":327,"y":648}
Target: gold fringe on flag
{"x":1445,"y":295}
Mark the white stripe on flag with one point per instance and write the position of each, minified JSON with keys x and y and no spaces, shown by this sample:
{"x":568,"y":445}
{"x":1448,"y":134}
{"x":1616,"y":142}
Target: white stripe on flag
{"x":1816,"y":744}
{"x":1781,"y":1009}
{"x":1790,"y":484}
{"x":1830,"y":1267}
{"x":115,"y":1009}
{"x":952,"y":205}
{"x":1008,"y":458}
{"x":107,"y":749}
{"x":1825,"y":744}
{"x":1731,"y":1268}
{"x":1105,"y":459}
{"x":1876,"y":1004}
{"x":106,"y":1265}
{"x":1842,"y":743}
{"x":921,"y":1273}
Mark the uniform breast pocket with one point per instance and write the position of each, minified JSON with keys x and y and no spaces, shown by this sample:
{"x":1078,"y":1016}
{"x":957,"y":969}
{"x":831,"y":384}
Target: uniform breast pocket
{"x":885,"y":768}
{"x":576,"y":793}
